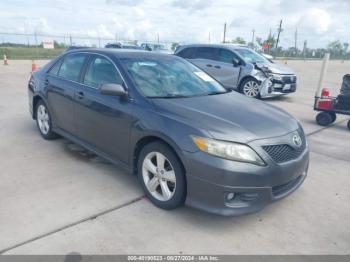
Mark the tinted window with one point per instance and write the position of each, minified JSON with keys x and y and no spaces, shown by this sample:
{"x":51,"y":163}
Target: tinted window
{"x":250,"y":56}
{"x":55,"y":68}
{"x":206,"y":53}
{"x":227,"y":56}
{"x":187,"y":53}
{"x":71,"y":66}
{"x":101,"y":71}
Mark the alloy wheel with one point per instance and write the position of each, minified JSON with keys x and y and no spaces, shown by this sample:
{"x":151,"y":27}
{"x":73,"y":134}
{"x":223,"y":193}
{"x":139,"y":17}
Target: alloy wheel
{"x":159,"y":176}
{"x":251,"y":89}
{"x":43,"y":119}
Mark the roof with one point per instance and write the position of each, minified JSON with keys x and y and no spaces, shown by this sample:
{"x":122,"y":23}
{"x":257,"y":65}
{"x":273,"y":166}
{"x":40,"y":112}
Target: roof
{"x":227,"y":46}
{"x":121,"y":53}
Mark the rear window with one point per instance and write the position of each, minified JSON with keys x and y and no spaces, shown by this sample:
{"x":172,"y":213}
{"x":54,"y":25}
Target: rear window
{"x":71,"y":66}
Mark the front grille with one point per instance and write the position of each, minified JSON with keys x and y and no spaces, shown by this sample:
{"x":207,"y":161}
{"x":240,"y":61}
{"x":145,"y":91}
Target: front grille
{"x":289,"y":79}
{"x":284,"y":152}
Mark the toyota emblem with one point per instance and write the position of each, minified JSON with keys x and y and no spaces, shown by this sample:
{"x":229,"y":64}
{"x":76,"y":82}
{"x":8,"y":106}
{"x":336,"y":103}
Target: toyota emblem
{"x":297,"y":140}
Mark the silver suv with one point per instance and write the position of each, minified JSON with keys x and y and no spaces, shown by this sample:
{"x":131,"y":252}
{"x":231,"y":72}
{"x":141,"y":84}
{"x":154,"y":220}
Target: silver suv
{"x":241,"y":68}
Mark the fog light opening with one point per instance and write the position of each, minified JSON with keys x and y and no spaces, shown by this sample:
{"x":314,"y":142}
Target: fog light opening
{"x":230,"y":196}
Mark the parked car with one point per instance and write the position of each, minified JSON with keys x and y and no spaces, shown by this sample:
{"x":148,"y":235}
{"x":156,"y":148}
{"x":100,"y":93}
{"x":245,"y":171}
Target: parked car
{"x":74,"y":47}
{"x":156,"y":47}
{"x":241,"y":68}
{"x":122,"y":46}
{"x":188,"y":139}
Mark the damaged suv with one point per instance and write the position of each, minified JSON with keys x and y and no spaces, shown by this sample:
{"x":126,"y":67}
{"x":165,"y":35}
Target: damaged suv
{"x":241,"y":68}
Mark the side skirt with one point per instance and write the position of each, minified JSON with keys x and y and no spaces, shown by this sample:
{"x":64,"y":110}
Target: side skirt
{"x":85,"y":145}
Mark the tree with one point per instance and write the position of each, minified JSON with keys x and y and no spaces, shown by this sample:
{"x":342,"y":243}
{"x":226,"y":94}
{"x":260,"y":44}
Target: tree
{"x":335,"y":48}
{"x":239,"y":40}
{"x":174,"y":46}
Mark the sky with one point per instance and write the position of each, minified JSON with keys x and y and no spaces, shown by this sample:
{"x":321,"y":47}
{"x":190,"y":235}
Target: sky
{"x":184,"y":21}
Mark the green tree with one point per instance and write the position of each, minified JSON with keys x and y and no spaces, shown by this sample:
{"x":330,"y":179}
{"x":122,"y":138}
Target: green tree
{"x":239,"y":40}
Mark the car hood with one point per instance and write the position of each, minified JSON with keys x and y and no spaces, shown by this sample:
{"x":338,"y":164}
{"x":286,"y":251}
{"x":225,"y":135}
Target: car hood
{"x":276,"y":68}
{"x":230,"y":117}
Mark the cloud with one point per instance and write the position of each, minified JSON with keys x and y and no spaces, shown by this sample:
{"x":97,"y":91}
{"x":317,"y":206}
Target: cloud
{"x":194,"y":5}
{"x":124,"y":2}
{"x":316,"y":20}
{"x":185,"y":21}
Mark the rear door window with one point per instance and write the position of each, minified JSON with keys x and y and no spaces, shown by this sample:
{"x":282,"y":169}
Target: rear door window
{"x":101,"y":71}
{"x":206,"y":53}
{"x":71,"y":66}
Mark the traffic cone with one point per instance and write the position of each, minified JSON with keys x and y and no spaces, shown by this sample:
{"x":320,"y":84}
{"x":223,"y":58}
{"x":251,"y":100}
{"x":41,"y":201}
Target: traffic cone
{"x":33,"y":66}
{"x":5,"y":60}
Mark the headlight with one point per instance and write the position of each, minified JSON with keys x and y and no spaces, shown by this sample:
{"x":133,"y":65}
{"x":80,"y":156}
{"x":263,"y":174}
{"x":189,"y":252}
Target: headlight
{"x":276,"y":77}
{"x":228,"y":150}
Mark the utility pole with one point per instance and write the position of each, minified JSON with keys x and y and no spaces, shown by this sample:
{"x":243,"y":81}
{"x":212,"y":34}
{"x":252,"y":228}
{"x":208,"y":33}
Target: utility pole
{"x":209,"y":37}
{"x":253,"y":39}
{"x":224,"y":40}
{"x":158,"y":38}
{"x":304,"y":49}
{"x":279,"y":32}
{"x":295,"y":39}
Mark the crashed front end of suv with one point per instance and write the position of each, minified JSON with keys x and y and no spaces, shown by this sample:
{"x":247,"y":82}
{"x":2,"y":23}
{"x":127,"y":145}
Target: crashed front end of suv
{"x":274,"y":79}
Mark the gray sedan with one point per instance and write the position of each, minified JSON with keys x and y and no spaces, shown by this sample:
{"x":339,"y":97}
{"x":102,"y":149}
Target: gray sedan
{"x":187,"y":138}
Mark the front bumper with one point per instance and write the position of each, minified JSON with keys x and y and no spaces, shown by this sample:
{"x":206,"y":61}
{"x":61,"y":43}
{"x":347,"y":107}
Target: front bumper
{"x":211,"y":179}
{"x":273,"y":87}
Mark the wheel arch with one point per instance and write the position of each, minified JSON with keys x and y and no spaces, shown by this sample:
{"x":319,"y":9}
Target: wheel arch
{"x":36,"y":99}
{"x":245,"y":78}
{"x":147,"y":139}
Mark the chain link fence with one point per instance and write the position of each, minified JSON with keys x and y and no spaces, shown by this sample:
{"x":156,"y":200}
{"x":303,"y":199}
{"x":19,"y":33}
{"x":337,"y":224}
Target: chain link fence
{"x":30,"y":46}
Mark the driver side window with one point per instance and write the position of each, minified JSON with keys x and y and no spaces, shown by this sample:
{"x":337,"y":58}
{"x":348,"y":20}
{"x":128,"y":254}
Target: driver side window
{"x":101,"y":71}
{"x":226,"y":56}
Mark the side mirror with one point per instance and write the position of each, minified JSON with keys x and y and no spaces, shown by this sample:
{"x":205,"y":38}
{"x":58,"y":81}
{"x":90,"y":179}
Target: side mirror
{"x":236,"y":62}
{"x":112,"y":90}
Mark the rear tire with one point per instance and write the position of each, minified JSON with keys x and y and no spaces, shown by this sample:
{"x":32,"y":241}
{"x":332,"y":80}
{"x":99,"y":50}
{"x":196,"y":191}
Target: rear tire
{"x":324,"y":119}
{"x":162,"y":176}
{"x":43,"y":121}
{"x":349,"y":125}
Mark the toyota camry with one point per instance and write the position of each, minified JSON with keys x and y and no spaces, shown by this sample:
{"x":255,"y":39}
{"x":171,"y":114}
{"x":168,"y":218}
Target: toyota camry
{"x":187,"y":138}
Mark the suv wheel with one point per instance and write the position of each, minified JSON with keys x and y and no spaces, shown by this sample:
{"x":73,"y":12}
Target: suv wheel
{"x":250,"y":87}
{"x":43,"y":120}
{"x":162,"y":176}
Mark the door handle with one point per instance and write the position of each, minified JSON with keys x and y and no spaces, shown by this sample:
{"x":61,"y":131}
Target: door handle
{"x":217,"y":66}
{"x":80,"y":95}
{"x":209,"y":65}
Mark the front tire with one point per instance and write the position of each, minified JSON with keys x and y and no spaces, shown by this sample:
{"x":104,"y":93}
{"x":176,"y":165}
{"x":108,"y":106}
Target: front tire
{"x":162,"y":176}
{"x":43,"y":121}
{"x":349,"y":125}
{"x":250,"y":87}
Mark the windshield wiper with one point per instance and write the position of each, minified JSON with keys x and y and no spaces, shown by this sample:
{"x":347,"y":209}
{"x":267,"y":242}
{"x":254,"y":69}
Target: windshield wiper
{"x":169,"y":96}
{"x":218,"y":92}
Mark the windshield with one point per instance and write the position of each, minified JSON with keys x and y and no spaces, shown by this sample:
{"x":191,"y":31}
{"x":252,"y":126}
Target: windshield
{"x":250,"y":56}
{"x":169,"y":77}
